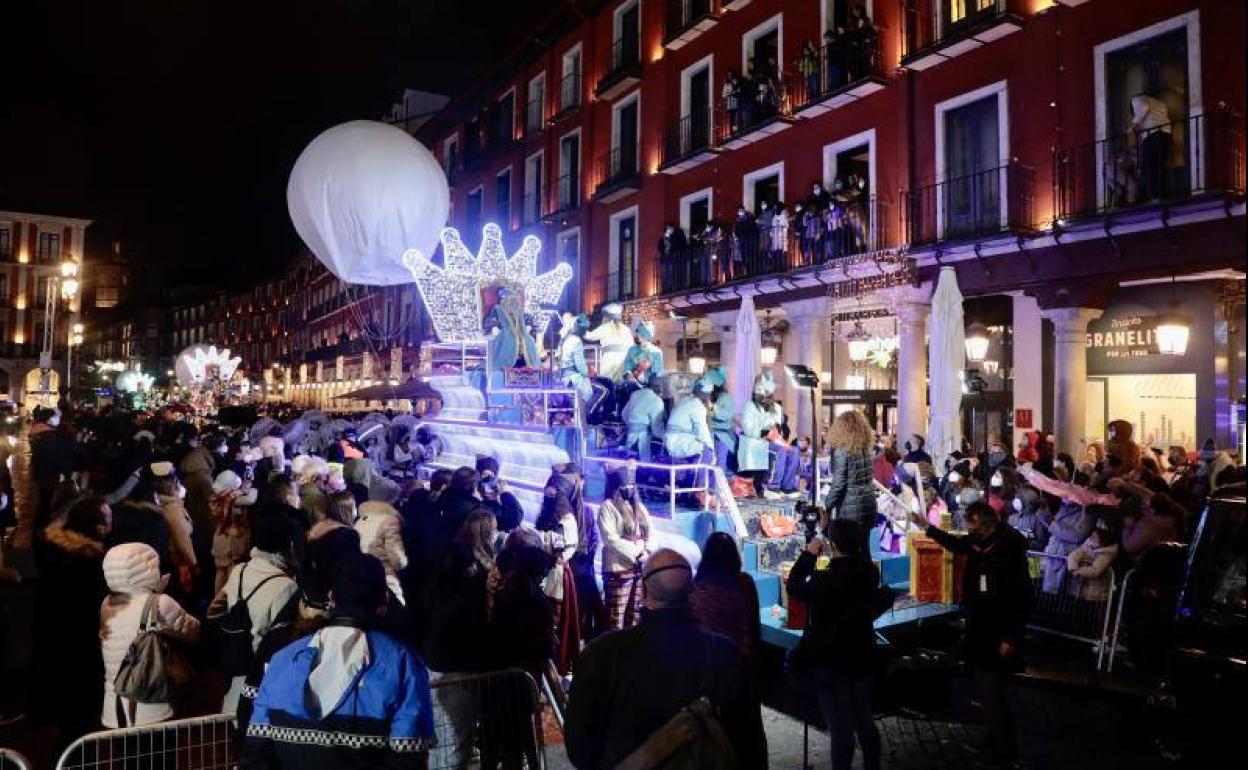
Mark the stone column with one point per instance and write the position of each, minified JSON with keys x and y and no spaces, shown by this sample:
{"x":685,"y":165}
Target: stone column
{"x":1026,"y":363}
{"x":912,"y":312}
{"x":1070,"y":376}
{"x":807,"y":343}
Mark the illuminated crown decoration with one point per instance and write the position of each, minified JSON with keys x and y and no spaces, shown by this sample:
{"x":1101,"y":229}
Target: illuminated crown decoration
{"x":452,"y":291}
{"x":201,"y":362}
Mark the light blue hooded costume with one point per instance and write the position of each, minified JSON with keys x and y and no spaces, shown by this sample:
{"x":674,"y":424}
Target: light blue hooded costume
{"x":688,"y":434}
{"x":722,"y":412}
{"x":644,"y":416}
{"x":754,"y":449}
{"x":513,"y":344}
{"x":639,"y":353}
{"x":573,"y":371}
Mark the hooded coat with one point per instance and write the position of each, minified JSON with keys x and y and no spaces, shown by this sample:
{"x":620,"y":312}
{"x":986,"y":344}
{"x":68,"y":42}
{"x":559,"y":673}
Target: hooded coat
{"x":1122,"y":446}
{"x":132,"y":571}
{"x":197,"y":469}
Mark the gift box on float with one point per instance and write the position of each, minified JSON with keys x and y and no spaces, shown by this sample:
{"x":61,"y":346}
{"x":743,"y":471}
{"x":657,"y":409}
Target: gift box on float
{"x":935,"y":574}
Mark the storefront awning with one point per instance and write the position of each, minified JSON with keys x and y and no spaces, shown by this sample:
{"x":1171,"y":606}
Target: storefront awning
{"x":412,"y":390}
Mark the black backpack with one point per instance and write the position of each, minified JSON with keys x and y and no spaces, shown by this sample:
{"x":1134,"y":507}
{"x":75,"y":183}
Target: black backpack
{"x":234,"y":631}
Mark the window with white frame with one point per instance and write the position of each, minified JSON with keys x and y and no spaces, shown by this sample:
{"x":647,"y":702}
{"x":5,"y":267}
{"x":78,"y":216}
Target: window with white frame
{"x":533,"y":181}
{"x":695,"y":105}
{"x":535,"y":109}
{"x":849,"y":175}
{"x":626,"y":35}
{"x":570,"y":78}
{"x":502,"y":198}
{"x":972,"y":161}
{"x":622,"y":255}
{"x":764,"y":184}
{"x":625,"y":136}
{"x":568,"y":250}
{"x":569,"y":182}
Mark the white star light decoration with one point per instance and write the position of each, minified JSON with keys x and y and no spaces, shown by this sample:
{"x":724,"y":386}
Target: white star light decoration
{"x":452,"y":291}
{"x":198,"y":363}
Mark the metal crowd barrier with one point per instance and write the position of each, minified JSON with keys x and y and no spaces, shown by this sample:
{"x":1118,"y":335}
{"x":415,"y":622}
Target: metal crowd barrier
{"x":12,"y":760}
{"x":199,"y":743}
{"x":496,"y":714}
{"x":1073,"y":608}
{"x":1116,"y":633}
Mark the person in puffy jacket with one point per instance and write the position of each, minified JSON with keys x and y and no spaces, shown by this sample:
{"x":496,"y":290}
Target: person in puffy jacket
{"x":170,"y":493}
{"x":625,"y":526}
{"x":132,"y":572}
{"x":1091,"y":563}
{"x":381,"y":535}
{"x":851,"y":494}
{"x":265,"y":582}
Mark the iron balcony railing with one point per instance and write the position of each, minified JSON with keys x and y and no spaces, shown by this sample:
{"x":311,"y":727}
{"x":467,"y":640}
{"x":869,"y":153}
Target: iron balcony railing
{"x":684,"y":14}
{"x":616,"y":169}
{"x":622,"y":285}
{"x":687,"y":136}
{"x":755,"y":104}
{"x":625,"y":63}
{"x":535,"y":114}
{"x":754,"y":248}
{"x":531,"y":209}
{"x":930,"y":25}
{"x":1202,"y":155}
{"x":567,"y":193}
{"x":976,"y":205}
{"x":570,"y":92}
{"x":839,"y":65}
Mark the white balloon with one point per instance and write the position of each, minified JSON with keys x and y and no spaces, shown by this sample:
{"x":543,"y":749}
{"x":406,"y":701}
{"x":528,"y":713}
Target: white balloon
{"x":361,"y":194}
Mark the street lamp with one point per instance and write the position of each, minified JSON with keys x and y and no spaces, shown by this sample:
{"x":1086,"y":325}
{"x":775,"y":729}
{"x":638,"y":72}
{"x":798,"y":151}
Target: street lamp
{"x":1173,"y":328}
{"x":977,"y":341}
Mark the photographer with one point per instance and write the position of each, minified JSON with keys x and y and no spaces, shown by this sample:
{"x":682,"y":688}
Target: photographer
{"x":837,"y":649}
{"x":494,"y":495}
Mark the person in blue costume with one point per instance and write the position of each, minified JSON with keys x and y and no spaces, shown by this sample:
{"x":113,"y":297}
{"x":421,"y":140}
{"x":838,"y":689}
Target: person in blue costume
{"x":644,"y":360}
{"x":721,"y":414}
{"x":513,"y":344}
{"x":688,"y":438}
{"x":761,"y":420}
{"x":573,"y":370}
{"x":644,"y":416}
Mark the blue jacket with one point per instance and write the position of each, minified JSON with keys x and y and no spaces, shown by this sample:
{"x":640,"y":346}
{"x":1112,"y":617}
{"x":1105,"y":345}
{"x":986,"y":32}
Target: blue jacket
{"x":383,"y":719}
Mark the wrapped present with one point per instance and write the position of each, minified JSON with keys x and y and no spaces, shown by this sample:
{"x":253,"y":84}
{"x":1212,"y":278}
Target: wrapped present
{"x":772,"y":552}
{"x":935,"y":574}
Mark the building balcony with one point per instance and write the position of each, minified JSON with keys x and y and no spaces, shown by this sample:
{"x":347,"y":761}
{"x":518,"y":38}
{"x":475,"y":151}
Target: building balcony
{"x":624,"y":72}
{"x":938,"y":30}
{"x":569,"y":96}
{"x":687,"y":20}
{"x":687,"y":143}
{"x":532,"y":206}
{"x":983,"y":204}
{"x":618,"y":175}
{"x":621,"y":286}
{"x":839,"y":73}
{"x":482,"y":146}
{"x":565,"y":198}
{"x":1201,"y":157}
{"x":757,"y":111}
{"x":754,"y":250}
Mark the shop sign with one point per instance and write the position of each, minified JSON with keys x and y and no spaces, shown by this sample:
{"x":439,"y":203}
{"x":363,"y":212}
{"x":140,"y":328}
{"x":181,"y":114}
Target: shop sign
{"x":1119,"y":337}
{"x":1023,"y":418}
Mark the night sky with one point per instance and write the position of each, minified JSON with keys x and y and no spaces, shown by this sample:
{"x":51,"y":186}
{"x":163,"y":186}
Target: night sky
{"x":174,"y":124}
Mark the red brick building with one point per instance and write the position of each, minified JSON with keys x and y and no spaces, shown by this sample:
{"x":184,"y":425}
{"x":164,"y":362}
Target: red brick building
{"x":995,"y":136}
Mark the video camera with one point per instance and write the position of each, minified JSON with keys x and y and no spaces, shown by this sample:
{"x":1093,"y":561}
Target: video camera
{"x":808,"y":517}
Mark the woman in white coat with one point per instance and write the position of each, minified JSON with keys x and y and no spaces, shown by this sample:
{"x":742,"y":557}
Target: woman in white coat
{"x":625,"y":526}
{"x":381,"y":535}
{"x":759,"y":418}
{"x":132,"y":571}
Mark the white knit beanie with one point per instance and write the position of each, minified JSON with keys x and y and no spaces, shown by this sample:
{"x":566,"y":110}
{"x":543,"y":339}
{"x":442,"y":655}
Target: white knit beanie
{"x":131,"y":568}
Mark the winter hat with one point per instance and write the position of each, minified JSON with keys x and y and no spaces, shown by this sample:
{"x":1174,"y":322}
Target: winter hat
{"x":717,"y":376}
{"x":132,"y":568}
{"x":161,"y":469}
{"x":765,"y":384}
{"x":703,"y":385}
{"x":645,"y":331}
{"x":226,"y":481}
{"x":613,"y":310}
{"x":487,"y":463}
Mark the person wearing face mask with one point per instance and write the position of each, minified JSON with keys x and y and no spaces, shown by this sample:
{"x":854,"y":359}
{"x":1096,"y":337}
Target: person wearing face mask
{"x":915,"y":450}
{"x":171,"y":493}
{"x":624,"y":524}
{"x":996,"y":600}
{"x":1029,"y":515}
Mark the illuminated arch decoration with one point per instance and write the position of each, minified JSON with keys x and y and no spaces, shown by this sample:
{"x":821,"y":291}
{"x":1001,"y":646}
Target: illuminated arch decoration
{"x":452,"y":291}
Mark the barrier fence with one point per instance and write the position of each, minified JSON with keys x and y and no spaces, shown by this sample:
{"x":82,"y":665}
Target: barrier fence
{"x":1080,"y":609}
{"x":491,"y":719}
{"x":200,"y":743}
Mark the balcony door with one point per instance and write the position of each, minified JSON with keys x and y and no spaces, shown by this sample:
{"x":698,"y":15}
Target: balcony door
{"x":625,"y":163}
{"x":569,"y":171}
{"x":630,"y":35}
{"x":972,"y":185}
{"x":623,"y":263}
{"x":699,"y":113}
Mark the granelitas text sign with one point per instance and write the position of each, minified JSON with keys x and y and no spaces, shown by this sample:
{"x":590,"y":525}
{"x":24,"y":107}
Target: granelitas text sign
{"x":1129,"y":336}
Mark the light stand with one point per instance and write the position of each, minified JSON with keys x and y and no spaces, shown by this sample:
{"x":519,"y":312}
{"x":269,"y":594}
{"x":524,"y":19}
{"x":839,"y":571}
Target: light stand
{"x":804,"y":377}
